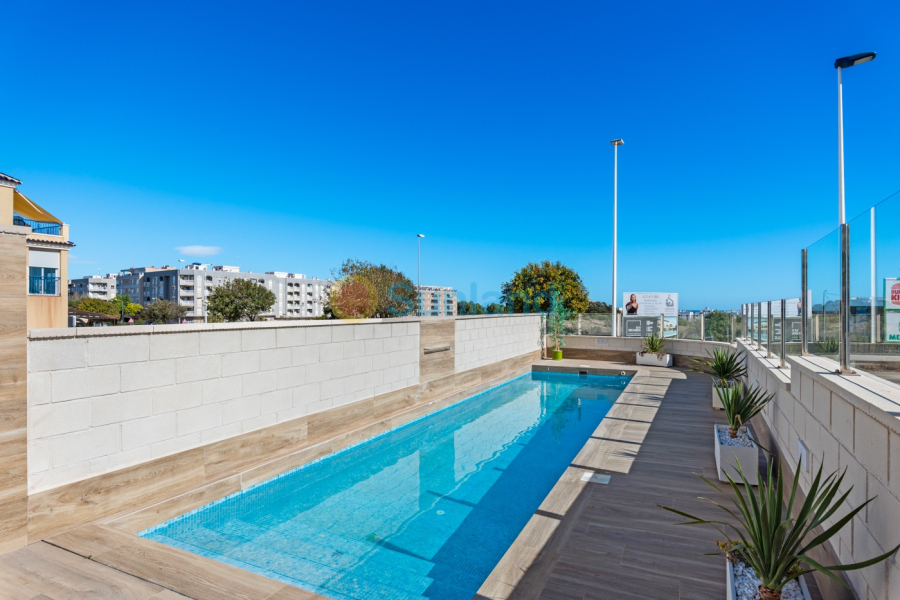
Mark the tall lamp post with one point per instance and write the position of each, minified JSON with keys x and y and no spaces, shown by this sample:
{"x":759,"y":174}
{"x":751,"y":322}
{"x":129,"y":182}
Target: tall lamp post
{"x":615,"y":144}
{"x":840,"y":64}
{"x":419,"y":237}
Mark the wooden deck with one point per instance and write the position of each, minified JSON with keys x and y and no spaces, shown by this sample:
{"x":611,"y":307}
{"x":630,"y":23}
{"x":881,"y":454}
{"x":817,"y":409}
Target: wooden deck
{"x":588,"y":541}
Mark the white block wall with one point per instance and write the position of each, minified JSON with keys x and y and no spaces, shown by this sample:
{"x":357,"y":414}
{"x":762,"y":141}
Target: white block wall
{"x":482,"y":341}
{"x":100,"y":401}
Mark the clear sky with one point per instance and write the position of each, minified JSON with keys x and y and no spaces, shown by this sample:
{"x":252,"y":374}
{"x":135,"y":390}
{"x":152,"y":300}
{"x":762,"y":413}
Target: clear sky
{"x":294,"y":135}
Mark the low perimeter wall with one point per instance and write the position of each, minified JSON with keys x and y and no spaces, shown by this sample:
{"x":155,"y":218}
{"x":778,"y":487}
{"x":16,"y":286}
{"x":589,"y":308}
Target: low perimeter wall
{"x":846,"y":422}
{"x":124,"y":415}
{"x":623,"y":349}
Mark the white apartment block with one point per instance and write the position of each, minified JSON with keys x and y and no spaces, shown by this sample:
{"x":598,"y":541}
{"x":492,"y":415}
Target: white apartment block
{"x":94,"y":286}
{"x":296,"y":296}
{"x":436,"y":301}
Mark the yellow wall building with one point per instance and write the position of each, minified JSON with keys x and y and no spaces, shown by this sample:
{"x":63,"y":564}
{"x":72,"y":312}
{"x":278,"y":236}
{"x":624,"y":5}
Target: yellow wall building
{"x":46,"y":258}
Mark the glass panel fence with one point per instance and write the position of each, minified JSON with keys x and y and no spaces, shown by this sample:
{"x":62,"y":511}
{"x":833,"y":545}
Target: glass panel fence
{"x":824,"y":295}
{"x":590,"y":324}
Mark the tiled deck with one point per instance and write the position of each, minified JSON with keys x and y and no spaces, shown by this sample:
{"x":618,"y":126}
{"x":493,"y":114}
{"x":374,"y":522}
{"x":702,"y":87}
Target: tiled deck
{"x":588,"y":541}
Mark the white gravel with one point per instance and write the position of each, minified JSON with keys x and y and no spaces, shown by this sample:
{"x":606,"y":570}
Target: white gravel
{"x":746,"y":584}
{"x":743,"y":439}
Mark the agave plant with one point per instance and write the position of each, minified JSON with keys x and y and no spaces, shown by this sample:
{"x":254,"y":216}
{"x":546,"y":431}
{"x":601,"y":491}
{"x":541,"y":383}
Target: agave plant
{"x":653,"y":344}
{"x":828,"y":346}
{"x":723,"y":365}
{"x":741,"y":404}
{"x":772,"y":542}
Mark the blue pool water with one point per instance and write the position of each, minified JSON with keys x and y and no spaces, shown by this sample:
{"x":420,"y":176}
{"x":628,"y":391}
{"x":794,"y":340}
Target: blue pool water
{"x":422,"y":511}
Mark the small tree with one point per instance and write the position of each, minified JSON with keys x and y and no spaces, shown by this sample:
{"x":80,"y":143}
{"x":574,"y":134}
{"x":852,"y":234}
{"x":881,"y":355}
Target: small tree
{"x":123,"y":304}
{"x":468,"y":307}
{"x":239,"y":300}
{"x":96,"y":305}
{"x":531,"y":288}
{"x":556,"y":320}
{"x":162,"y":311}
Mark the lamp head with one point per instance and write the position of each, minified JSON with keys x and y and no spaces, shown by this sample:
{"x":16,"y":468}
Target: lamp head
{"x":421,"y":235}
{"x":853,"y":60}
{"x":618,"y":142}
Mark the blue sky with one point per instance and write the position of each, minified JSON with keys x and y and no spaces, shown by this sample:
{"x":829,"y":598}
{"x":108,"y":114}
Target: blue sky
{"x":295,"y":135}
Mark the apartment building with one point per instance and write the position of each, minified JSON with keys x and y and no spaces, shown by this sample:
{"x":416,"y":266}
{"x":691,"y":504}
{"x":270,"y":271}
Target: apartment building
{"x":436,"y":301}
{"x":94,"y":286}
{"x":296,"y":296}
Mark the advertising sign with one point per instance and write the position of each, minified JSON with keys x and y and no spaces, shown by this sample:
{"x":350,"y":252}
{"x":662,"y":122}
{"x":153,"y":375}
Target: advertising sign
{"x":641,"y":311}
{"x":891,"y":310}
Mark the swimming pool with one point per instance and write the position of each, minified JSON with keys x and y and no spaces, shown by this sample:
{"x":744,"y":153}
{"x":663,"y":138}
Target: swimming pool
{"x":425,"y":510}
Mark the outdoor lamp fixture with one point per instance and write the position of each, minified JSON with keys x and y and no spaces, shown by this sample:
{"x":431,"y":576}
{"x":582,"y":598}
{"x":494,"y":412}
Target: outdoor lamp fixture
{"x":615,"y":144}
{"x":845,"y":63}
{"x":419,"y":237}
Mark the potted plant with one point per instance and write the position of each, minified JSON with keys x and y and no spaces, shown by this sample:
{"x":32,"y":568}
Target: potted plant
{"x":724,"y":365}
{"x":733,"y":443}
{"x":768,"y":549}
{"x":653,"y":352}
{"x":556,"y":324}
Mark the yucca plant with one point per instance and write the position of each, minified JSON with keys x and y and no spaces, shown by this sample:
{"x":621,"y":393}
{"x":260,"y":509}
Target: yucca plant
{"x":723,"y":365}
{"x":653,"y":344}
{"x":828,"y":346}
{"x":770,"y":540}
{"x":741,"y":404}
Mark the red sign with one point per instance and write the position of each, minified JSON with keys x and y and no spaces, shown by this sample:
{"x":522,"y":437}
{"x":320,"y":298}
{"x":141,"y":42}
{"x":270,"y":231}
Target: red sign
{"x":895,"y":294}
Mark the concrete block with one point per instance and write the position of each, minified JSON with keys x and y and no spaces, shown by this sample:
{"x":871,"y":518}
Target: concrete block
{"x":391,"y":344}
{"x":178,"y":345}
{"x":279,"y":358}
{"x":240,"y":409}
{"x":258,"y":383}
{"x":213,"y":391}
{"x":331,"y":352}
{"x":175,"y":397}
{"x":882,"y":515}
{"x":331,"y":388}
{"x":84,"y":383}
{"x":116,"y":408}
{"x":56,"y":355}
{"x":176,"y":445}
{"x":865,"y":547}
{"x":894,"y":462}
{"x":155,"y":373}
{"x":821,"y":402}
{"x":856,"y":476}
{"x":258,"y":339}
{"x":290,"y":337}
{"x":149,"y":430}
{"x":39,"y":482}
{"x":382,"y":330}
{"x":194,"y":420}
{"x":318,"y":373}
{"x":221,"y":433}
{"x":871,"y":439}
{"x":118,"y":349}
{"x":290,"y":377}
{"x":374,"y":379}
{"x":198,"y":368}
{"x":373,"y":347}
{"x":842,"y":421}
{"x":38,"y":388}
{"x":364,"y":331}
{"x":829,"y":451}
{"x":48,"y":420}
{"x":240,"y":363}
{"x":259,"y":422}
{"x":306,"y":394}
{"x":342,"y":333}
{"x":85,"y":445}
{"x":305,"y":355}
{"x":398,"y":329}
{"x":220,"y":342}
{"x":38,"y":455}
{"x":805,"y":392}
{"x":275,"y":402}
{"x":318,"y":335}
{"x":409,"y":342}
{"x":354,"y":349}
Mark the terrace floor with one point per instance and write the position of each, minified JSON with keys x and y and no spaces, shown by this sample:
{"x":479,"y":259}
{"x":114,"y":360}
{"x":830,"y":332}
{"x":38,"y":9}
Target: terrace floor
{"x":588,"y":541}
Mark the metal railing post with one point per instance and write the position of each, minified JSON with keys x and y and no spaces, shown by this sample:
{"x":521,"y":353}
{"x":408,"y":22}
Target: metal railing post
{"x":769,"y":329}
{"x":783,"y":332}
{"x":731,"y":333}
{"x":844,"y":347}
{"x":804,"y":305}
{"x":662,"y":325}
{"x":702,"y":328}
{"x":759,"y":326}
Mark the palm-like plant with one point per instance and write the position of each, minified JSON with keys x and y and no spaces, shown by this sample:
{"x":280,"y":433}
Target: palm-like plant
{"x":741,"y":404}
{"x":770,"y":540}
{"x":828,"y":346}
{"x":653,"y":344}
{"x":723,"y":365}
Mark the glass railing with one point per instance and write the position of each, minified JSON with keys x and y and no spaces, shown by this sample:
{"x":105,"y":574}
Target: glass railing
{"x":719,"y":326}
{"x":45,"y":227}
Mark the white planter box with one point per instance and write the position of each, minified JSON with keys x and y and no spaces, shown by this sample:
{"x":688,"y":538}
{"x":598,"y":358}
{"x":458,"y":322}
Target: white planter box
{"x":727,"y":458}
{"x":654,"y":360}
{"x":732,"y":592}
{"x":716,"y":402}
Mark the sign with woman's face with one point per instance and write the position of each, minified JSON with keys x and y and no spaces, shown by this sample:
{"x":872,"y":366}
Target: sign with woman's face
{"x":650,"y":304}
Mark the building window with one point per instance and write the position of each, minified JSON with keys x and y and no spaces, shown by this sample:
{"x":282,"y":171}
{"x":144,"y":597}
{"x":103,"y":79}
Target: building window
{"x":43,"y":281}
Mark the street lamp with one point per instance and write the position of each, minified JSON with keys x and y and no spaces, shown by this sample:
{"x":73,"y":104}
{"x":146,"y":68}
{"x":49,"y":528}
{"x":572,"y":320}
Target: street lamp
{"x":845,"y":63}
{"x":615,"y":144}
{"x":419,"y":237}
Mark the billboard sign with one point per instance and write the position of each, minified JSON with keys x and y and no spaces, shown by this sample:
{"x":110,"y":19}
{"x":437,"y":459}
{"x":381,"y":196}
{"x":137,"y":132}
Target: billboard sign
{"x":641,"y":311}
{"x":891,"y":310}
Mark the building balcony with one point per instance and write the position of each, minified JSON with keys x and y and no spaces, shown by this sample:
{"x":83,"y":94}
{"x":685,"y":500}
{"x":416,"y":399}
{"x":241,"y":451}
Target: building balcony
{"x":45,"y":227}
{"x":43,"y":286}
